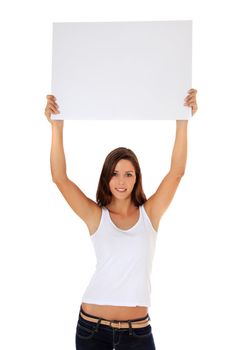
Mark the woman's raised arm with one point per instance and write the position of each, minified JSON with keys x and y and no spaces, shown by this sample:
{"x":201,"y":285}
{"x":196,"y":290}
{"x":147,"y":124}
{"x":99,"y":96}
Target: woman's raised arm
{"x":83,"y":206}
{"x":158,"y":203}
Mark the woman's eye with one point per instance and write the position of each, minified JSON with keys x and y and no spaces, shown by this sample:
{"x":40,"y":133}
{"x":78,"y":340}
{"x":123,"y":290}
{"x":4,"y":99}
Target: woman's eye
{"x":114,"y":174}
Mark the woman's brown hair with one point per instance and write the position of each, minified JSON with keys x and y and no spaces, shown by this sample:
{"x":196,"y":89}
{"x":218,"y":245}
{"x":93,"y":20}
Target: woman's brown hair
{"x":103,"y":194}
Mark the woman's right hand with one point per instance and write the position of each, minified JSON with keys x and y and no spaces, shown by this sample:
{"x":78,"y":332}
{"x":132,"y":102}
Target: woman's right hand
{"x":52,"y":108}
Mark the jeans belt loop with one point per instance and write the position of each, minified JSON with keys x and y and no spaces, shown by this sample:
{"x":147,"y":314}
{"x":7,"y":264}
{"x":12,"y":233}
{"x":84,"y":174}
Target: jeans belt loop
{"x":130,"y":328}
{"x":97,"y":326}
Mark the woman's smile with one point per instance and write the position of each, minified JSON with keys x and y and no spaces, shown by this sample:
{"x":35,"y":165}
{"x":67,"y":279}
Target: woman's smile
{"x":121,"y":189}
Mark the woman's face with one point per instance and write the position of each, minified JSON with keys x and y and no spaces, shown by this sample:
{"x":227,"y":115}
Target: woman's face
{"x":123,"y":179}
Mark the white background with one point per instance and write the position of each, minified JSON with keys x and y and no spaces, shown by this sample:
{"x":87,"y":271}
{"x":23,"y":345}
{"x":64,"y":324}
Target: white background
{"x":46,"y":257}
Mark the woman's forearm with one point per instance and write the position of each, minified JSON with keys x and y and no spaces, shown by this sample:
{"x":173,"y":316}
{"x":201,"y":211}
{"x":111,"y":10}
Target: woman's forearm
{"x":57,"y":155}
{"x":179,"y":153}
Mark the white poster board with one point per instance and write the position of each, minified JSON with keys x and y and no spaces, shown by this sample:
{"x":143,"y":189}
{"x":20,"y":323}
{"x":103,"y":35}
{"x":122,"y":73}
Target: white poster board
{"x":122,"y":70}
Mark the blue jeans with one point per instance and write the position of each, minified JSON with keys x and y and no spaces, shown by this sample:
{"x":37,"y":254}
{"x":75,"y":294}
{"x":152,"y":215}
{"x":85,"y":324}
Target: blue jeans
{"x":97,"y":336}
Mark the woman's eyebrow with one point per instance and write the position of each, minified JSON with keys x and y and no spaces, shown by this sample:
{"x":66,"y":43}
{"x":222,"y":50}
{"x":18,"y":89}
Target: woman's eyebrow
{"x":127,"y":171}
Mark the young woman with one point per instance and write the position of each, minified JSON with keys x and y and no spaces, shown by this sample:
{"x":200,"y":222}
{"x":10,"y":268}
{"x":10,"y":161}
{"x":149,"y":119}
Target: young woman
{"x":123,"y":227}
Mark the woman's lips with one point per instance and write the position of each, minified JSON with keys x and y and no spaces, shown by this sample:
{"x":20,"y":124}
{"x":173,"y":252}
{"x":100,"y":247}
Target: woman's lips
{"x":121,"y":189}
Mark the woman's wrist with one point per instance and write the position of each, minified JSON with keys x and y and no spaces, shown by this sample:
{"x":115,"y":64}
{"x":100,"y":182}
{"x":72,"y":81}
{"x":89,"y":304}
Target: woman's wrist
{"x":181,"y":123}
{"x":57,"y":124}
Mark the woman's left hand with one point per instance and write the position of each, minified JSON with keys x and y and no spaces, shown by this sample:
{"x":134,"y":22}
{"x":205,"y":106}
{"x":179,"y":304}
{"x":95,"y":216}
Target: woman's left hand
{"x":190,"y":100}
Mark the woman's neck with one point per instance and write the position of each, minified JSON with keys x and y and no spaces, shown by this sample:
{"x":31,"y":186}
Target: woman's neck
{"x":122,"y":207}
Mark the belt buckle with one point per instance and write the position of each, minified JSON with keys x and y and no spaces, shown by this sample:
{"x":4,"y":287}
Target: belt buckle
{"x":119,"y":324}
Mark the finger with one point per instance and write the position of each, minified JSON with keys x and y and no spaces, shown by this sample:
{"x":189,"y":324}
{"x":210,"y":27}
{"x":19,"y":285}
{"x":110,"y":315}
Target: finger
{"x":51,"y":97}
{"x":192,"y":91}
{"x":194,"y":109}
{"x":190,"y":99}
{"x":52,"y":108}
{"x":189,"y":96}
{"x":53,"y":103}
{"x":193,"y":105}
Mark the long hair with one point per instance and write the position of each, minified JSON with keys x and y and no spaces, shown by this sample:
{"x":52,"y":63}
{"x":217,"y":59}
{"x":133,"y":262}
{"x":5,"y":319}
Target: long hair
{"x":103,"y":194}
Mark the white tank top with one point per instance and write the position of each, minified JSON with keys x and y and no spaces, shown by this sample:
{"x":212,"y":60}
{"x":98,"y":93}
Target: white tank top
{"x":123,"y":263}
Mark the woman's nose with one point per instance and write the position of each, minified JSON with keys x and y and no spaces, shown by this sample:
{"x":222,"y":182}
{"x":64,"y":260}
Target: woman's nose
{"x":121,"y":180}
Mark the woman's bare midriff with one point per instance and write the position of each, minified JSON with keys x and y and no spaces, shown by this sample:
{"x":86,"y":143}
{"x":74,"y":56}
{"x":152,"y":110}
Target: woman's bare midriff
{"x":110,"y":312}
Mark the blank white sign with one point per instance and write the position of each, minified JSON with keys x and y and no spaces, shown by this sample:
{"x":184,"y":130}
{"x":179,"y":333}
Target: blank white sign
{"x":122,"y":70}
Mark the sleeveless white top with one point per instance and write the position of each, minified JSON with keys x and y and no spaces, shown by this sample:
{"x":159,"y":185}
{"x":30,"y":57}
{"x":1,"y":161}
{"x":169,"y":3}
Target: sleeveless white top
{"x":123,"y":263}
